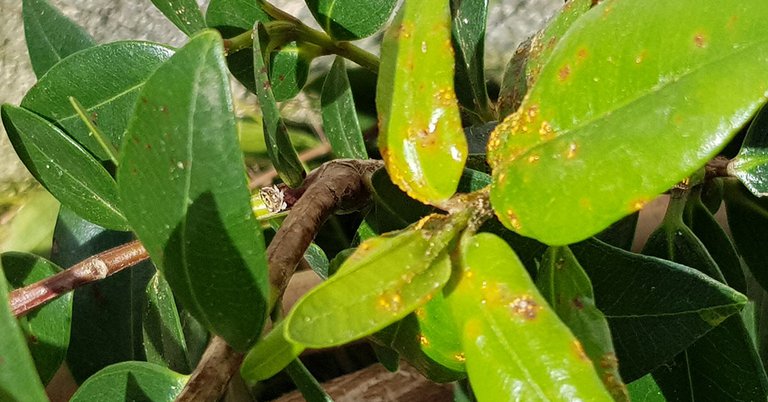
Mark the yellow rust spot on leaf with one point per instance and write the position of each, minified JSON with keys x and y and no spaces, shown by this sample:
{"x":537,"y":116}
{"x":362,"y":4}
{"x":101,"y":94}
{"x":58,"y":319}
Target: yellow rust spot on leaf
{"x":579,"y":350}
{"x":405,"y":30}
{"x":638,"y":204}
{"x":564,"y":72}
{"x":700,"y":40}
{"x":546,"y":131}
{"x":525,"y":307}
{"x":423,"y":341}
{"x":582,"y":54}
{"x":459,"y":357}
{"x":533,"y":158}
{"x":609,"y":361}
{"x":391,"y":302}
{"x":641,"y":56}
{"x":420,"y":313}
{"x":514,"y":221}
{"x":570,"y":153}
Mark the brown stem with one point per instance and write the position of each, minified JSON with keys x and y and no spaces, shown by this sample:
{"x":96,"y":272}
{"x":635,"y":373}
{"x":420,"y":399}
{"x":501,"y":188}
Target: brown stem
{"x":209,"y":380}
{"x":91,"y":269}
{"x":717,"y":167}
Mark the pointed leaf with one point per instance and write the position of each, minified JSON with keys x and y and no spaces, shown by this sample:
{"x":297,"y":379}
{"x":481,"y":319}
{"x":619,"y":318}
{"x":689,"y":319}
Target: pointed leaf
{"x":601,"y":91}
{"x":103,"y":331}
{"x":67,"y":170}
{"x":164,"y":341}
{"x":751,"y":164}
{"x":384,"y":280}
{"x":50,"y":35}
{"x":106,"y":80}
{"x":421,"y":140}
{"x":182,"y":158}
{"x":47,"y":328}
{"x":351,"y":19}
{"x":279,"y":147}
{"x":568,"y":290}
{"x":516,"y":348}
{"x":234,"y":16}
{"x":467,"y":35}
{"x":748,"y":221}
{"x":339,"y":115}
{"x":131,"y":381}
{"x":271,"y":355}
{"x":18,"y":379}
{"x":185,"y":14}
{"x":657,"y":302}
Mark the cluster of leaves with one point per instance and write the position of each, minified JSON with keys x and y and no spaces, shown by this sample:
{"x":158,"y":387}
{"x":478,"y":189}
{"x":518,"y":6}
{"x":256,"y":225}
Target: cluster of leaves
{"x":525,"y":286}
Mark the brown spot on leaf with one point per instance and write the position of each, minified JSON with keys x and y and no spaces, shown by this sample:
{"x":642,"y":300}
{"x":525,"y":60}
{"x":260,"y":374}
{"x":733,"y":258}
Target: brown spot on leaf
{"x":564,"y":72}
{"x":638,"y":204}
{"x":582,"y":54}
{"x":459,"y":357}
{"x":641,"y":56}
{"x":609,"y":361}
{"x":577,"y":303}
{"x":525,"y":307}
{"x":700,"y":40}
{"x":514,"y":221}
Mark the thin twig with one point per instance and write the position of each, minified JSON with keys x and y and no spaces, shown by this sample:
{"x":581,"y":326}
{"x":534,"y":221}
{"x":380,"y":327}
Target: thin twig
{"x":91,"y":269}
{"x":209,"y":380}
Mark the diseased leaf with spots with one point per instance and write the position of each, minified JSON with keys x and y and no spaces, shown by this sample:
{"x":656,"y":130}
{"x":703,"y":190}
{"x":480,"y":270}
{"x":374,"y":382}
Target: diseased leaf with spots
{"x":420,"y":138}
{"x":106,"y":80}
{"x":46,"y":328}
{"x":185,"y":14}
{"x":131,"y":381}
{"x":751,"y":164}
{"x":516,"y":348}
{"x":63,"y":167}
{"x":200,"y":230}
{"x":50,"y":35}
{"x":618,"y":116}
{"x":568,"y":290}
{"x":384,"y":280}
{"x":351,"y":19}
{"x":289,"y":69}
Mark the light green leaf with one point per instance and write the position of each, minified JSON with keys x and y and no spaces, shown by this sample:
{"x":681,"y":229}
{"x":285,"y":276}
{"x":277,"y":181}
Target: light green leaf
{"x":18,"y":379}
{"x":659,"y":109}
{"x":131,"y":381}
{"x":181,"y":156}
{"x":351,"y":19}
{"x":273,"y":353}
{"x":339,"y":115}
{"x":106,"y":80}
{"x":420,"y":139}
{"x":63,"y":167}
{"x":185,"y":14}
{"x":50,"y":35}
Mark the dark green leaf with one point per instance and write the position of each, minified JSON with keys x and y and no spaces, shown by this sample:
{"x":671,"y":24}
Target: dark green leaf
{"x":387,"y":356}
{"x":650,"y":301}
{"x":339,"y":115}
{"x":622,"y":233}
{"x":317,"y":260}
{"x":279,"y":147}
{"x":270,"y":355}
{"x":67,"y":170}
{"x":748,"y":221}
{"x":164,"y":342}
{"x":232,"y":17}
{"x":306,"y":383}
{"x":289,"y":68}
{"x":645,"y":389}
{"x":50,"y":35}
{"x":392,"y":209}
{"x":106,"y":80}
{"x":103,"y":331}
{"x":567,"y":288}
{"x":468,"y":34}
{"x":751,"y":164}
{"x":516,"y":347}
{"x":473,"y":180}
{"x":611,"y":85}
{"x":477,"y":142}
{"x":351,"y":19}
{"x":185,"y":14}
{"x":131,"y":381}
{"x":182,"y":158}
{"x":47,"y":328}
{"x":382,"y":282}
{"x":18,"y":379}
{"x":420,"y":135}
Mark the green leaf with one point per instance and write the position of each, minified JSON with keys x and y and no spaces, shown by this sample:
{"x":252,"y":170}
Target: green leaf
{"x":751,"y":163}
{"x":568,"y":290}
{"x":181,"y":156}
{"x":611,"y":88}
{"x":185,"y":14}
{"x":47,"y":328}
{"x":306,"y":383}
{"x":272,"y":354}
{"x":351,"y":19}
{"x":232,"y":17}
{"x":106,"y":80}
{"x":477,"y":142}
{"x":50,"y":35}
{"x":392,"y":208}
{"x":289,"y":69}
{"x":384,"y":280}
{"x":317,"y":260}
{"x":131,"y":381}
{"x":103,"y":331}
{"x":621,"y":233}
{"x":440,"y":337}
{"x":164,"y":341}
{"x":31,"y":228}
{"x":420,"y":139}
{"x":748,"y":220}
{"x":716,"y":241}
{"x":67,"y":171}
{"x":18,"y":379}
{"x":279,"y":147}
{"x":645,"y":389}
{"x":650,"y":301}
{"x":468,"y":34}
{"x":339,"y":115}
{"x":387,"y":356}
{"x":516,"y":347}
{"x":524,"y":68}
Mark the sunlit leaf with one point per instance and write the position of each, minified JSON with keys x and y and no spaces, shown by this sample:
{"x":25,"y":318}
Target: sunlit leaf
{"x":272,"y":354}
